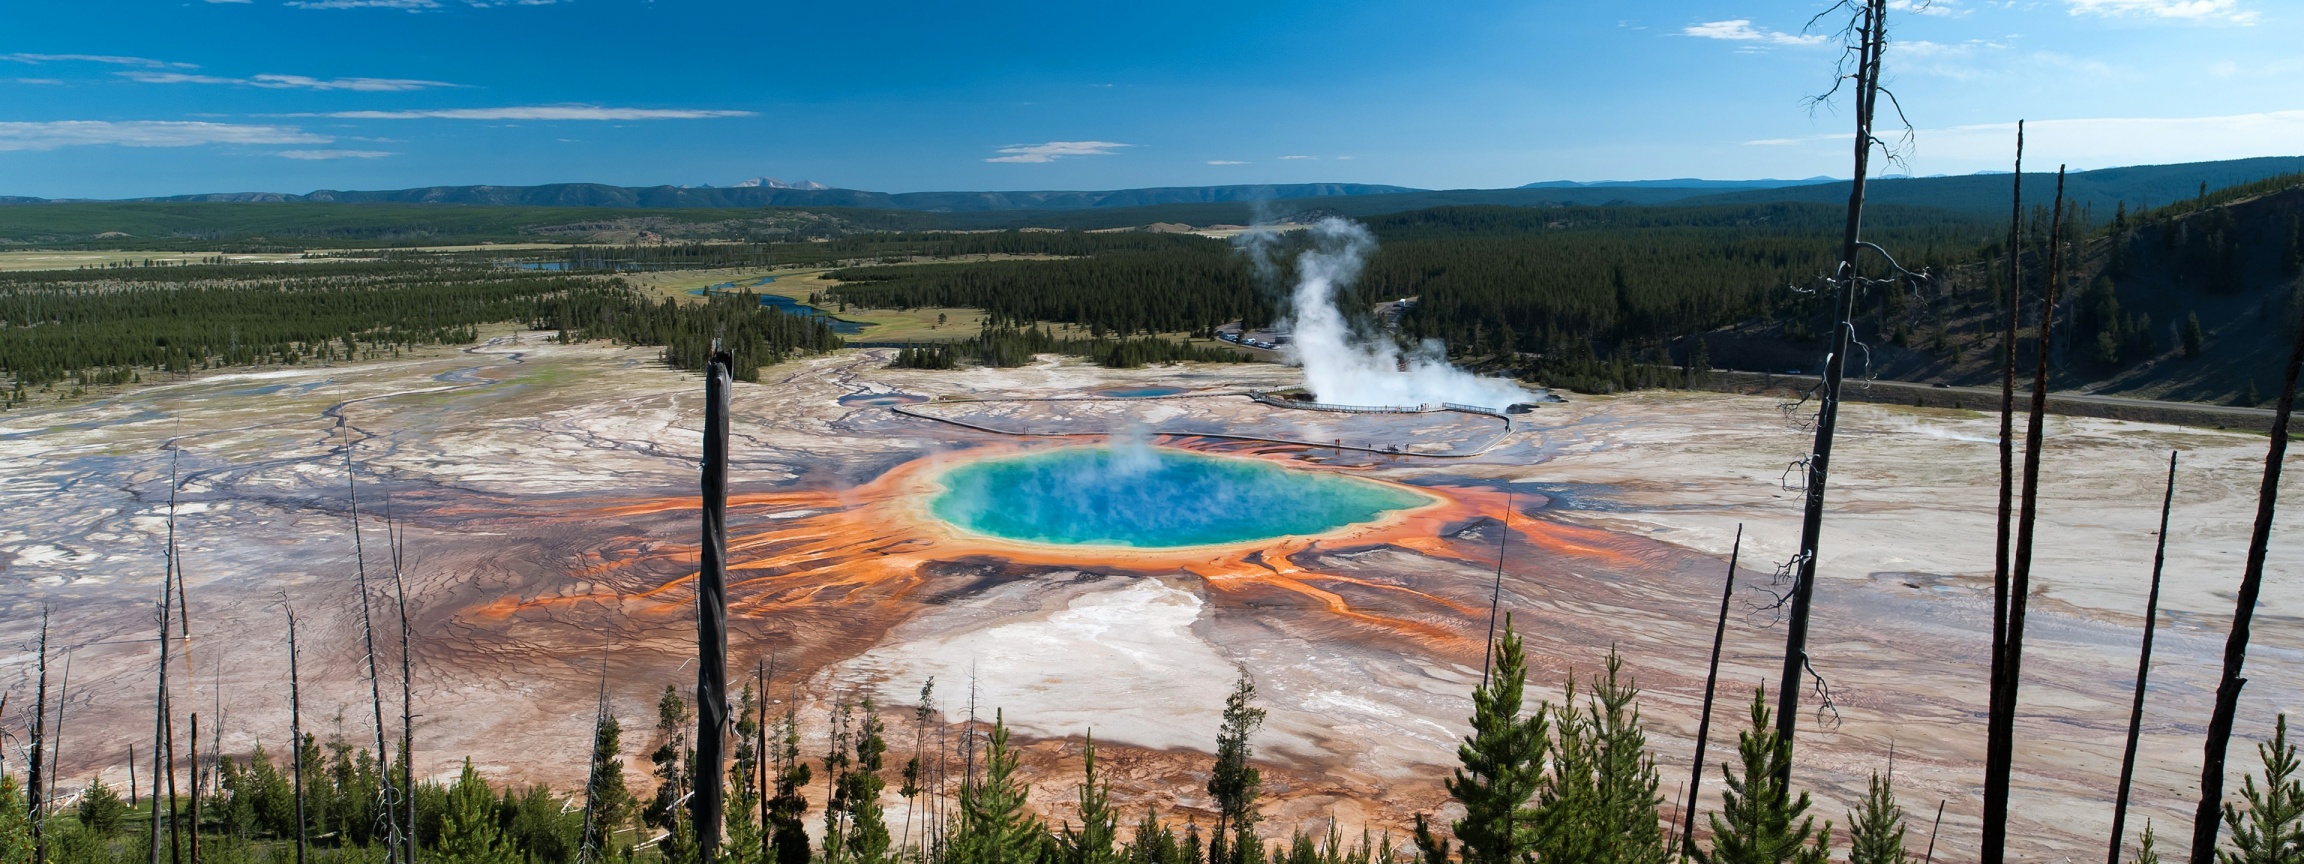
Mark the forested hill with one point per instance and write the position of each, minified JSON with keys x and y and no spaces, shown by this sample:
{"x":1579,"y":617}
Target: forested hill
{"x":2194,"y":301}
{"x":2140,"y":187}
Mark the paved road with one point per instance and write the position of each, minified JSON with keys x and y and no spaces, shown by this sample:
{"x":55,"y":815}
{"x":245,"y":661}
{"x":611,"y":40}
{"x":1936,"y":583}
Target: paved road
{"x":1987,"y":398}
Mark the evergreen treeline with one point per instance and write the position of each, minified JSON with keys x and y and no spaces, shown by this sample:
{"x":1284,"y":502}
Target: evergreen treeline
{"x":99,"y":326}
{"x":1572,"y":781}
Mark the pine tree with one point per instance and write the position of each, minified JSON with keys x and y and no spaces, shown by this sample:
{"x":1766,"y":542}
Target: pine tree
{"x":1503,"y":761}
{"x":611,"y":800}
{"x":1876,"y":829}
{"x":867,"y":841}
{"x":1624,"y":781}
{"x":836,"y":810}
{"x":1756,"y":821}
{"x":2145,"y":851}
{"x":100,"y":809}
{"x":743,"y":844}
{"x":469,"y":833}
{"x":672,"y":759}
{"x":1153,"y":843}
{"x":1430,"y":848}
{"x":1099,"y":824}
{"x":788,"y":834}
{"x":2191,"y":335}
{"x":1568,"y":800}
{"x":995,"y":827}
{"x":1233,"y":782}
{"x":15,"y":824}
{"x":2271,"y":831}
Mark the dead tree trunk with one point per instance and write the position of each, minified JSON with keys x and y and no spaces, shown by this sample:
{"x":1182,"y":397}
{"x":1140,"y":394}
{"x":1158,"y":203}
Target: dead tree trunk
{"x":195,"y":763}
{"x":56,"y":738}
{"x":1496,"y":592}
{"x":160,"y":708}
{"x":295,"y":729}
{"x":2000,"y":732}
{"x":1871,"y":33}
{"x":1995,"y":796}
{"x":407,"y":684}
{"x":386,"y":812}
{"x":2204,"y":824}
{"x":711,"y":616}
{"x":33,"y":805}
{"x":2143,"y":671}
{"x":1711,"y":688}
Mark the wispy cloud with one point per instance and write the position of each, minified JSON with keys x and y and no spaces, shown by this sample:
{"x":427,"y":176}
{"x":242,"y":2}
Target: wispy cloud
{"x":144,"y":62}
{"x":1932,"y":8}
{"x":50,"y":135}
{"x":39,"y":80}
{"x":1741,"y":30}
{"x":2214,"y":11}
{"x":536,"y":112}
{"x":411,"y":5}
{"x":333,"y":154}
{"x":1295,"y":158}
{"x":1226,"y":162}
{"x":1054,"y":150}
{"x":289,"y":82}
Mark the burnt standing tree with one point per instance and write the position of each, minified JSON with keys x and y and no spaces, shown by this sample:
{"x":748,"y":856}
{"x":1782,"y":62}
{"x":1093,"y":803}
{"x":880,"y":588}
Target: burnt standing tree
{"x":2204,"y":821}
{"x":711,"y":615}
{"x":1995,"y":796}
{"x":1711,"y":689}
{"x":2143,"y":670}
{"x":2000,"y":725}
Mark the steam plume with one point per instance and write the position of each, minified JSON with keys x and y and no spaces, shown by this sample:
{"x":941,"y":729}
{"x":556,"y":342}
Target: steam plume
{"x":1341,"y":369}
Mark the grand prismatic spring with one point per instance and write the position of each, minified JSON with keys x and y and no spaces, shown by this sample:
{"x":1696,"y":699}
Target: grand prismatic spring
{"x":1112,"y":570}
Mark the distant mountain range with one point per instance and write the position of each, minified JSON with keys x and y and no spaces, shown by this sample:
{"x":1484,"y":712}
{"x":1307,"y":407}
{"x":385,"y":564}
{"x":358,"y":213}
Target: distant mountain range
{"x":2136,"y":186}
{"x":1682,"y":183}
{"x":770,"y":193}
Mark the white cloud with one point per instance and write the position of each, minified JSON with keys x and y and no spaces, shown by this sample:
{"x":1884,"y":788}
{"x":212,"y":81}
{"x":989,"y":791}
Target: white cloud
{"x":144,"y":62}
{"x":290,"y":82}
{"x":536,"y":112}
{"x":1054,"y":150}
{"x":2225,"y":11}
{"x":39,"y":80}
{"x":1294,"y":158}
{"x":1932,"y":8}
{"x":1741,"y":30}
{"x":1226,"y":162}
{"x":1772,"y":142}
{"x":365,"y":4}
{"x":50,"y":135}
{"x":333,"y":154}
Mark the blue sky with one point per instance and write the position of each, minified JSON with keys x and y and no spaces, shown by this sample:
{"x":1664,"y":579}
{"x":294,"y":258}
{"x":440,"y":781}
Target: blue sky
{"x":105,"y":98}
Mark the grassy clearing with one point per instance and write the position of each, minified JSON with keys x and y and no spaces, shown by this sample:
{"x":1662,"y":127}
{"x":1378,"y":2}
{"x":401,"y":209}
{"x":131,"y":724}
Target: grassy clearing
{"x":58,"y":260}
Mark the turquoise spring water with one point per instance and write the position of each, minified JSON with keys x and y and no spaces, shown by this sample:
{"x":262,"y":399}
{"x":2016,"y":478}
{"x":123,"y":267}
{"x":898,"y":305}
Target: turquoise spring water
{"x":1151,"y":497}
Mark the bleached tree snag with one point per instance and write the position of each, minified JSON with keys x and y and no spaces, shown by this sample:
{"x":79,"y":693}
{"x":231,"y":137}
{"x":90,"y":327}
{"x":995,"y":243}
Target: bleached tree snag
{"x":2143,"y":671}
{"x":1993,"y":783}
{"x":1870,"y":31}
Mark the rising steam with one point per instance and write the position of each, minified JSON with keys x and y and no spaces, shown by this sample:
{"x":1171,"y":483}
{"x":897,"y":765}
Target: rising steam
{"x":1340,"y":369}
